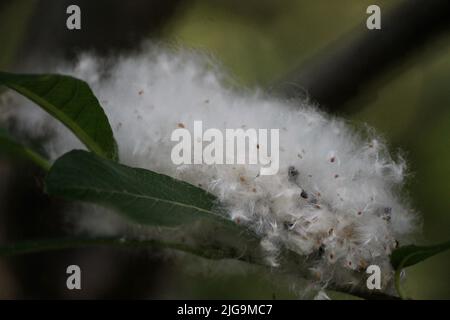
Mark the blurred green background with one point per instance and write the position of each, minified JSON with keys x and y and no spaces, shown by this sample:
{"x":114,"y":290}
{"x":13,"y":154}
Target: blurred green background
{"x":260,"y":41}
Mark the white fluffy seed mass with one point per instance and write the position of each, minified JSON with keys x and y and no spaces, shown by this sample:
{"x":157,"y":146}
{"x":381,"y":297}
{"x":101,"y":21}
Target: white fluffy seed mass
{"x":337,"y":195}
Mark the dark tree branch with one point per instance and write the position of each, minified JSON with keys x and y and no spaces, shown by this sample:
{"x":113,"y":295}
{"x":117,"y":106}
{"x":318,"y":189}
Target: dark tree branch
{"x":350,"y":64}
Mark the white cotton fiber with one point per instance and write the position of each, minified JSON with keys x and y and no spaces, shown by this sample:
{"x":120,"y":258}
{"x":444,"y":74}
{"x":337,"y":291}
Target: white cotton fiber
{"x":337,"y":192}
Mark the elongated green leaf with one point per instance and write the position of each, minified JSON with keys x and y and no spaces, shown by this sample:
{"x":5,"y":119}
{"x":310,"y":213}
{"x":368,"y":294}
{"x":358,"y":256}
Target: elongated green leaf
{"x":410,"y":255}
{"x":27,"y":247}
{"x":72,"y":102}
{"x":8,"y":144}
{"x":141,"y":195}
{"x":204,"y":249}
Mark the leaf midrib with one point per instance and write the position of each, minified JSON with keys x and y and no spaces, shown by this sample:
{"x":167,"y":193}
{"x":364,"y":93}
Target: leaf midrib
{"x":141,"y":196}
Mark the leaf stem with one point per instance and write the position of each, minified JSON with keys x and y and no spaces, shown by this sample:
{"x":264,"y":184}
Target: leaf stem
{"x":11,"y":146}
{"x":37,"y":159}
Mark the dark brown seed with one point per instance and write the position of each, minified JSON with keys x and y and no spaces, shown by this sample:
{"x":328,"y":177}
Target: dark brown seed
{"x":292,"y":172}
{"x":321,"y":249}
{"x":288,"y":225}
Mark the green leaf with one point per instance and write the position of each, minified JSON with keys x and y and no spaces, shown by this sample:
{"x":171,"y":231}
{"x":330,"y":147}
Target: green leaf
{"x":8,"y":144}
{"x":72,"y":102}
{"x":143,"y":196}
{"x":410,"y":255}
